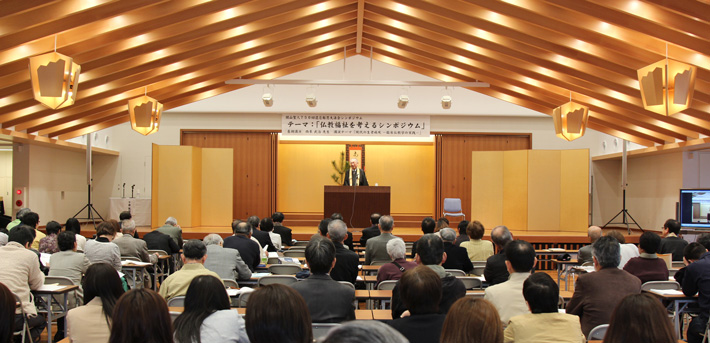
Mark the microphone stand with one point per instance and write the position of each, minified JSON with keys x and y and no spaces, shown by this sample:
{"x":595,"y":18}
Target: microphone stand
{"x":134,"y":186}
{"x":124,"y":190}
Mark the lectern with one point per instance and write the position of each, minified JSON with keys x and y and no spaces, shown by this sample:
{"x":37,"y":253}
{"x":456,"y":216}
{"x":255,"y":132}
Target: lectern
{"x":366,"y":200}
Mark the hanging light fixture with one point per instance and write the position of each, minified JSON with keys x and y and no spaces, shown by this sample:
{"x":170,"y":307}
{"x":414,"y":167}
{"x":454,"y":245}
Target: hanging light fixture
{"x":267,"y":97}
{"x":667,"y":86}
{"x":570,"y":120}
{"x":446,"y":99}
{"x":54,"y":78}
{"x":145,"y":113}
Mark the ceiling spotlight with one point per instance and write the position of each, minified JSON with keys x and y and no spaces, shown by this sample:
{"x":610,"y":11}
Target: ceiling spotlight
{"x":446,"y":102}
{"x":403,"y":101}
{"x":268,"y":99}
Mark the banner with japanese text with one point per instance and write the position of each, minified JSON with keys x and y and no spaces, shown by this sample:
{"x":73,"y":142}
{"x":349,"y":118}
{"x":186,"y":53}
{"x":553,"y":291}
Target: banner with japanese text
{"x":354,"y":125}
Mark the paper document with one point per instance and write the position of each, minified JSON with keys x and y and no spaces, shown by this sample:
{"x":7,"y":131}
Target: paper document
{"x":667,"y":291}
{"x":273,"y":254}
{"x":51,"y":287}
{"x":44,"y":257}
{"x":137,"y":263}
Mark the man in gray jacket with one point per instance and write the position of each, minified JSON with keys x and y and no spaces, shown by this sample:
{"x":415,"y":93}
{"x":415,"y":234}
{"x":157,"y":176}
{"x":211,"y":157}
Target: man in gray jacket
{"x":226,"y":262}
{"x":585,"y":252}
{"x":134,"y":247}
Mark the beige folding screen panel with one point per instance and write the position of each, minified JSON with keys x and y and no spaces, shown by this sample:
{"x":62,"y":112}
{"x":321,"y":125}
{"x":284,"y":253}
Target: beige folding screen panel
{"x":192,"y":184}
{"x":534,"y":190}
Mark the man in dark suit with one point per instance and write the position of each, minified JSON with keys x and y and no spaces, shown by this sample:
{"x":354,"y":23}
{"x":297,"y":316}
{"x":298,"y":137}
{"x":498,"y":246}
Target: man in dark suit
{"x":372,"y":231}
{"x":346,"y":261}
{"x":284,"y":232}
{"x":495,"y":271}
{"x":348,"y":240}
{"x":355,"y":176}
{"x":671,"y":243}
{"x":428,"y":226}
{"x":261,"y":236}
{"x":328,"y":301}
{"x":156,"y":240}
{"x":456,"y":257}
{"x":248,"y":249}
{"x":597,"y":294}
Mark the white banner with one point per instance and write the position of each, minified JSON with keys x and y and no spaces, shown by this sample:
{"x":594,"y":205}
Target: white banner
{"x":354,"y":125}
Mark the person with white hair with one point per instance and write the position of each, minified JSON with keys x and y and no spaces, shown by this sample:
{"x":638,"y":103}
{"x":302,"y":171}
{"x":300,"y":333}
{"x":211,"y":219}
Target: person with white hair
{"x":394,"y":270}
{"x":456,"y":256}
{"x":18,"y":217}
{"x":172,"y":229}
{"x":226,"y":262}
{"x":346,"y":261}
{"x":134,"y":247}
{"x":355,"y":176}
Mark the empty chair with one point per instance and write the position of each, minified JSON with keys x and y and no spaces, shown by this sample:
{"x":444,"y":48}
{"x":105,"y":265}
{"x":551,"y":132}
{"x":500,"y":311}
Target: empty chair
{"x":452,"y":208}
{"x":281,"y":279}
{"x":387,"y":285}
{"x":285,"y":269}
{"x":229,"y":283}
{"x":295,"y":253}
{"x":322,"y":329}
{"x":598,"y":332}
{"x":660,"y":285}
{"x":456,"y":272}
{"x":471,"y":282}
{"x":178,"y":301}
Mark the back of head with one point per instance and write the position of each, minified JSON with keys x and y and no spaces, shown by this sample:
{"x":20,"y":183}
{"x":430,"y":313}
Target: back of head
{"x":30,"y":219}
{"x":430,"y":249}
{"x":672,"y":225}
{"x":375,"y":218}
{"x":337,"y":230}
{"x":521,"y":255}
{"x":704,"y":239}
{"x":66,"y":240}
{"x":420,"y":289}
{"x":472,"y":320}
{"x":607,"y":251}
{"x":128,"y":226}
{"x":282,"y":316}
{"x":253,"y":221}
{"x":358,"y":331}
{"x":53,"y":228}
{"x":266,"y":224}
{"x":105,"y":229}
{"x":594,"y":232}
{"x":194,"y":249}
{"x":141,"y":315}
{"x":500,"y":235}
{"x":205,"y":295}
{"x":336,"y":216}
{"x":125,"y":215}
{"x":72,"y":224}
{"x":21,"y":234}
{"x":212,"y":239}
{"x":441,"y":223}
{"x":320,"y":253}
{"x":115,"y":224}
{"x":617,"y":235}
{"x":649,"y":242}
{"x":241,"y":228}
{"x":462,"y":227}
{"x":386,"y":223}
{"x":323,"y":226}
{"x":448,"y":234}
{"x":693,"y":251}
{"x":21,"y":212}
{"x":102,"y":281}
{"x":277,"y":217}
{"x":7,"y":314}
{"x":475,"y":230}
{"x":428,"y":225}
{"x":171,"y":221}
{"x":541,"y":293}
{"x":640,"y":318}
{"x":396,"y":248}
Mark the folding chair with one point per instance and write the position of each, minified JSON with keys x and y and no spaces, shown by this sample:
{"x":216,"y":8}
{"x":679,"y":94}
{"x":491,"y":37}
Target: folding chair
{"x":280,"y":279}
{"x":598,"y":332}
{"x":456,"y":272}
{"x":25,"y":331}
{"x":285,"y":269}
{"x":322,"y":329}
{"x":471,"y":282}
{"x":178,"y":301}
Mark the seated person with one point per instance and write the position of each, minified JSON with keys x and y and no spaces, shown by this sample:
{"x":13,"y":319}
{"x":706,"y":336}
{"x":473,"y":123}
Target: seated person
{"x":357,"y":331}
{"x":691,"y":253}
{"x":7,"y":314}
{"x":396,"y":249}
{"x":141,"y":315}
{"x":463,"y":236}
{"x":346,"y":261}
{"x":226,"y":262}
{"x":249,"y":250}
{"x":328,"y":300}
{"x":627,"y":251}
{"x":472,"y":320}
{"x":507,"y":297}
{"x":376,"y":249}
{"x":640,"y":318}
{"x":68,"y":262}
{"x":102,"y":249}
{"x":193,"y":258}
{"x":420,"y":290}
{"x":282,"y":316}
{"x":428,"y":226}
{"x":72,"y":225}
{"x":48,"y":244}
{"x":456,"y":257}
{"x":31,"y":219}
{"x":496,"y":271}
{"x":648,"y":267}
{"x":671,"y":242}
{"x":545,"y":323}
{"x":697,"y":281}
{"x":585,"y":252}
{"x":267,"y":225}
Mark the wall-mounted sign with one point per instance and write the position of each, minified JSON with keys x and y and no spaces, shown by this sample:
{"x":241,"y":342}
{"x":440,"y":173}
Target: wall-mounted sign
{"x":354,"y":125}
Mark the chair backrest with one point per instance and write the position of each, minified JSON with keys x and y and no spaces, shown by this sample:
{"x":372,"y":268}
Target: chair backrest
{"x":178,"y":301}
{"x":478,"y":270}
{"x":229,"y":283}
{"x":471,"y":282}
{"x":667,"y":258}
{"x":61,"y":280}
{"x":285,"y":269}
{"x":452,"y":205}
{"x":677,"y":264}
{"x":280,"y":279}
{"x":160,"y":252}
{"x":322,"y":329}
{"x":243,"y":299}
{"x":379,"y":262}
{"x":456,"y":272}
{"x":660,"y":285}
{"x":174,"y":315}
{"x":598,"y":332}
{"x":301,"y":244}
{"x":561,"y":302}
{"x":273,"y":260}
{"x":24,"y":330}
{"x":347,"y":284}
{"x":295,"y":253}
{"x":478,"y":263}
{"x":387,"y":285}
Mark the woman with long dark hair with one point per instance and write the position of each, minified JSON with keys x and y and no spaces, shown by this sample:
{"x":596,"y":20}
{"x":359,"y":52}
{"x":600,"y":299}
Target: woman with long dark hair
{"x":141,"y":315}
{"x":640,"y":318}
{"x":207,"y":317}
{"x":472,"y":321}
{"x":278,"y":314}
{"x":92,"y":322}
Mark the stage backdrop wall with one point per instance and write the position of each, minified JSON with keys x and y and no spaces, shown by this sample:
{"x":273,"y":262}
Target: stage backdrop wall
{"x":535,"y":190}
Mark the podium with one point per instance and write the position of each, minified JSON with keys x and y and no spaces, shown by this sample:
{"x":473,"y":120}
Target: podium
{"x":367,"y":200}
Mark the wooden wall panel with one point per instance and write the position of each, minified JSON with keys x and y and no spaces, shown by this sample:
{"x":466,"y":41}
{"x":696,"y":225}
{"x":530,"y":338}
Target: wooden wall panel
{"x":515,"y":189}
{"x":544,"y":190}
{"x":254,"y":162}
{"x":454,"y":164}
{"x":217,"y":185}
{"x":174,"y":165}
{"x":574,"y":203}
{"x":487,"y":188}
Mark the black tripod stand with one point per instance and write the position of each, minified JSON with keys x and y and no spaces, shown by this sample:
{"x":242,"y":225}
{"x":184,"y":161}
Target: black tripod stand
{"x":91,"y":210}
{"x":624,"y":213}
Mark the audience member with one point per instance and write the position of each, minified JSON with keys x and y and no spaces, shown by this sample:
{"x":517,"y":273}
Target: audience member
{"x":463,"y":236}
{"x":132,"y":247}
{"x":348,"y":242}
{"x":207,"y":316}
{"x":249,"y":250}
{"x":441,"y":223}
{"x":496,"y":271}
{"x":31,"y":219}
{"x":102,"y":249}
{"x":597,"y":294}
{"x":286,"y":235}
{"x":18,"y":218}
{"x":372,"y":231}
{"x":141,"y":315}
{"x":692,"y":252}
{"x":648,"y":267}
{"x":226,"y":262}
{"x":281,"y":316}
{"x":430,"y":252}
{"x":261,"y":236}
{"x":396,"y":249}
{"x":697,"y":281}
{"x":627,"y":250}
{"x":472,"y":320}
{"x":193,"y":258}
{"x":545,"y":323}
{"x":585,"y":252}
{"x":507,"y":297}
{"x":92,"y":322}
{"x":420,"y":291}
{"x":48,"y":244}
{"x":116,"y":227}
{"x":376,"y":248}
{"x":671,"y":242}
{"x":267,"y":225}
{"x":73,"y":225}
{"x":19,"y":271}
{"x":68,"y":262}
{"x":358,"y":331}
{"x":328,"y":301}
{"x":3,"y":237}
{"x":428,"y":226}
{"x":172,"y":229}
{"x":346,"y":261}
{"x":156,"y":240}
{"x":125,"y":215}
{"x":704,"y":239}
{"x":477,"y":248}
{"x":456,"y":257}
{"x":640,"y":318}
{"x":7,"y":314}
{"x":322,"y":228}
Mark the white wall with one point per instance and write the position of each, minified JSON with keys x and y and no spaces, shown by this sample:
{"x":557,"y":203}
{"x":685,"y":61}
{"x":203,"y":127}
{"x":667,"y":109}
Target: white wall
{"x":6,"y":180}
{"x":696,"y":169}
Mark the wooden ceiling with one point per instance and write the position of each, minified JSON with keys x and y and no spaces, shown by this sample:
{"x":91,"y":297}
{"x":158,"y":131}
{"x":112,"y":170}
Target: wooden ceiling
{"x":532,"y":52}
